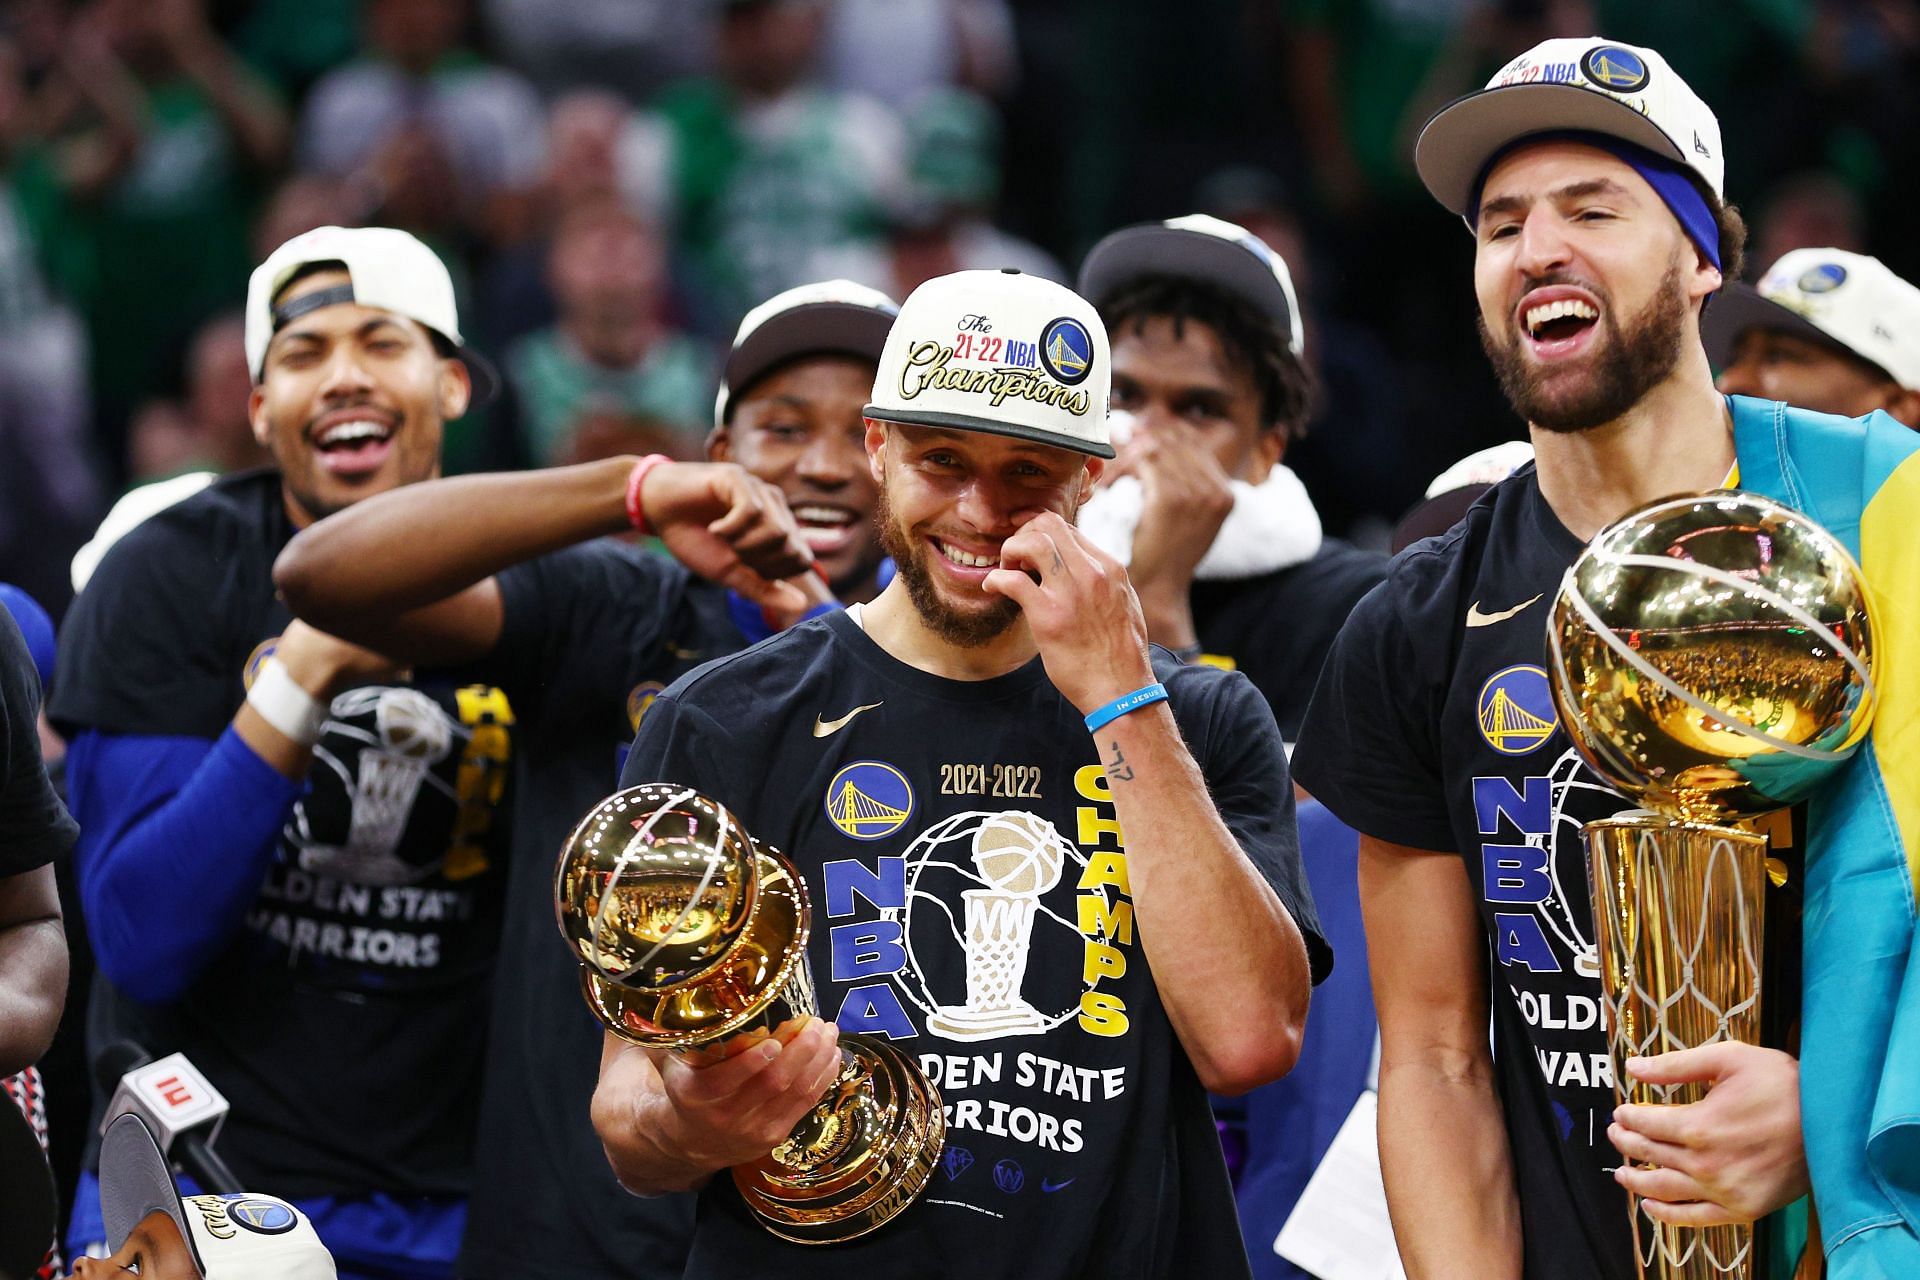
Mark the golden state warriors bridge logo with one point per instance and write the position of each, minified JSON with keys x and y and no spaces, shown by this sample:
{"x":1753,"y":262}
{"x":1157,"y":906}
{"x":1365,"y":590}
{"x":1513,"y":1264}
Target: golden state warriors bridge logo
{"x":1516,"y":710}
{"x":1615,"y":69}
{"x":869,"y":800}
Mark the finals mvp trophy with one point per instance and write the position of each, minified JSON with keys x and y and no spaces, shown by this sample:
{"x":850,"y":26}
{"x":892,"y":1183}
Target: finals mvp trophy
{"x":691,"y":933}
{"x":1712,"y":659}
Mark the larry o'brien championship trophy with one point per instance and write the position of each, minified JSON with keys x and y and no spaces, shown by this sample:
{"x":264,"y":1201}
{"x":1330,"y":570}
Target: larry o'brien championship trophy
{"x":690,"y":932}
{"x":1712,"y":659}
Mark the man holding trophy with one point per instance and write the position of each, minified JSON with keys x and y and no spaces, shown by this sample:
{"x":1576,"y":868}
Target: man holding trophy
{"x":950,"y":770}
{"x":1590,"y":177}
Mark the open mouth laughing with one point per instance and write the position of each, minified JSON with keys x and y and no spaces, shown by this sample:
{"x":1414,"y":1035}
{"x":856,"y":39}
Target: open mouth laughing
{"x":1557,"y":321}
{"x":353,"y":442}
{"x":827,"y":527}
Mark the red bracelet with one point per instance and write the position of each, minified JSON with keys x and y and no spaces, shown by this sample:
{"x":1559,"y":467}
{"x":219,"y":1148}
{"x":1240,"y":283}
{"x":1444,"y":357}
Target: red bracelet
{"x":636,"y":513}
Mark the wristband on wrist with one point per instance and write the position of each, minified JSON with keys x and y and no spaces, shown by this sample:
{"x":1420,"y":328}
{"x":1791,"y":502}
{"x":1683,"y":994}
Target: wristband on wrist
{"x":637,"y":514}
{"x":282,"y":703}
{"x":1145,"y":696}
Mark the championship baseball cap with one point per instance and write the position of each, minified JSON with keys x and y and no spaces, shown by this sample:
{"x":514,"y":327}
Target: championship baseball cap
{"x":387,"y":268}
{"x":1588,"y":85}
{"x":1457,"y":488}
{"x":1001,"y":352}
{"x":1199,"y":247}
{"x":1831,"y":297}
{"x":231,"y":1237}
{"x":830,"y":317}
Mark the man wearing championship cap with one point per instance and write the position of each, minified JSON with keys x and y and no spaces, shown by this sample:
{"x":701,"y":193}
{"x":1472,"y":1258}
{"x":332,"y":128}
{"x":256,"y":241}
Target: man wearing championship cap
{"x":1218,"y":535}
{"x":156,"y":1234}
{"x":293,"y":853}
{"x":1826,"y":330}
{"x":1071,"y":1052}
{"x":1589,"y":176}
{"x":483,"y":569}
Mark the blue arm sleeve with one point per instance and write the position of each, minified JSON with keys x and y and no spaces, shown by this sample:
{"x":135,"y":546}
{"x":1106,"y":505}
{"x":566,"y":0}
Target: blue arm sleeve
{"x":176,"y":835}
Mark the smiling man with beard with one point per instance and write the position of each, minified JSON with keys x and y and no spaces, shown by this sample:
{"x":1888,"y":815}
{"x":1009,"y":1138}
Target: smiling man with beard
{"x":293,"y":853}
{"x":998,"y":698}
{"x":1590,"y":177}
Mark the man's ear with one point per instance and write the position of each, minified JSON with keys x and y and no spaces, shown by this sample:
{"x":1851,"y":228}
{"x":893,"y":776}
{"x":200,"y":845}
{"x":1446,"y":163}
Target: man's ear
{"x":876,"y":450}
{"x":1089,"y":476}
{"x":456,"y":390}
{"x":257,"y":417}
{"x":720,"y":444}
{"x":1706,"y":279}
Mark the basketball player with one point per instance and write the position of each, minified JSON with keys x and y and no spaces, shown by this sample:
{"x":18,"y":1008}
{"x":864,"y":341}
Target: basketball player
{"x":951,"y":767}
{"x":581,"y":639}
{"x":1219,"y":537}
{"x":292,"y":859}
{"x":1826,"y":330}
{"x":1590,"y":177}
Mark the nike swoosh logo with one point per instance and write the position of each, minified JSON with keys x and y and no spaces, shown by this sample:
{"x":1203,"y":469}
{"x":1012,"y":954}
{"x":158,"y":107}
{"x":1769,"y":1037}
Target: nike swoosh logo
{"x":1048,"y":1184}
{"x":827,"y":728}
{"x":1475,"y":618}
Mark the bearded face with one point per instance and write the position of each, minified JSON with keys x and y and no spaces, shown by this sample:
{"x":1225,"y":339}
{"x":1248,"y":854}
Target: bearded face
{"x":1624,"y":360}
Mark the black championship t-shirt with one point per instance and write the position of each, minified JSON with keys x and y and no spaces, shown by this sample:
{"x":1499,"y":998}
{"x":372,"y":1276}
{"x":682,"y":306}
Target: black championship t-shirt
{"x":970,"y":895}
{"x":1433,"y":727}
{"x":591,"y":635}
{"x":34,"y":826}
{"x":1278,"y":627}
{"x":345,"y":1020}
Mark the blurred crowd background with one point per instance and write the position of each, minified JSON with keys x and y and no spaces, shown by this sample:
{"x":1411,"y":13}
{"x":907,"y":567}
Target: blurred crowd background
{"x":614,"y":182}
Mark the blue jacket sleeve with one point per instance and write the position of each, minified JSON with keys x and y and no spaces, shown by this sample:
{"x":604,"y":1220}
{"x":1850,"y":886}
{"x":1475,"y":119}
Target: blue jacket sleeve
{"x":176,"y":835}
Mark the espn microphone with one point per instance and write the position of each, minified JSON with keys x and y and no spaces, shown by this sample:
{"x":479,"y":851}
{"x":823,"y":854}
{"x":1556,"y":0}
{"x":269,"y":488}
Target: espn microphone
{"x":182,"y":1108}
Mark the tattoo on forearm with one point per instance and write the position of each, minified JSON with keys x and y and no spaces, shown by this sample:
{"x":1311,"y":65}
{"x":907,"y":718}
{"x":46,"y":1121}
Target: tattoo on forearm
{"x":1118,"y":770}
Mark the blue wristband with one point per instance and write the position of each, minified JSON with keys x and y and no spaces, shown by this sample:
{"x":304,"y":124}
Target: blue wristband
{"x":1145,"y":696}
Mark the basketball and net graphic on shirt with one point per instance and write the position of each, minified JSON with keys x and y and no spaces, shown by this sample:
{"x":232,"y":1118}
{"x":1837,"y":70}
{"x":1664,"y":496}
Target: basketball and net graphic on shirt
{"x":1001,"y":863}
{"x":383,"y":748}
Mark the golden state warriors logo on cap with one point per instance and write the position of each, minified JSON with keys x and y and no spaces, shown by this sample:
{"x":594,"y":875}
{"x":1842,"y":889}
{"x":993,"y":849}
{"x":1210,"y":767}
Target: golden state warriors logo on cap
{"x":261,"y":1215}
{"x":1824,"y":278}
{"x":1066,"y":350}
{"x":1615,"y":69}
{"x":869,"y":800}
{"x":1516,"y":710}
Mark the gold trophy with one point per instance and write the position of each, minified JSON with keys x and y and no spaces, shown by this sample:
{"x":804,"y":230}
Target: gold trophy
{"x":1712,"y":659}
{"x":689,"y":933}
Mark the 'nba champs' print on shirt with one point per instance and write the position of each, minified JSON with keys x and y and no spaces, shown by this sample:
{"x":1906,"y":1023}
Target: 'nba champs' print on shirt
{"x":379,"y":859}
{"x":993,"y":925}
{"x":972,"y":904}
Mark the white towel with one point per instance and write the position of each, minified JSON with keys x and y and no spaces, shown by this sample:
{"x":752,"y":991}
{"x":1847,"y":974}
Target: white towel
{"x":1272,"y":525}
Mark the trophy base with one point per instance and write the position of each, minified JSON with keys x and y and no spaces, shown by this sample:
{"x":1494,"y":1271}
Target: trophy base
{"x":859,"y":1158}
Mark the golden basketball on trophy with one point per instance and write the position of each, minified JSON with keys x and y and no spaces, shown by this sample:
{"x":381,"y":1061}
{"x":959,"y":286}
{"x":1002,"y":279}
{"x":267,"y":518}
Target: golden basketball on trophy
{"x":1713,"y":660}
{"x":689,"y":933}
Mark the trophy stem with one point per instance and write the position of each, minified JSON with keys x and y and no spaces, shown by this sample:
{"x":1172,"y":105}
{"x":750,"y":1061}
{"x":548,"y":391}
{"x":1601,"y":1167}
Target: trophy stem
{"x":1679,"y":910}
